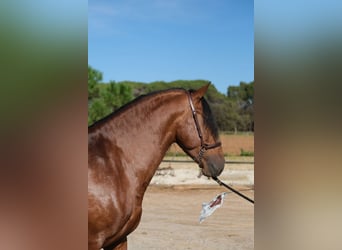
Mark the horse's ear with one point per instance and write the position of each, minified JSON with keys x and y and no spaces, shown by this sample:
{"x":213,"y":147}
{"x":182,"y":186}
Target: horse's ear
{"x":198,"y":94}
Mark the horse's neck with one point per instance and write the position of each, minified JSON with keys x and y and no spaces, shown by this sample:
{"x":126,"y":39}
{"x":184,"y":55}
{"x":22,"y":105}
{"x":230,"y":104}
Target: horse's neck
{"x":144,"y":137}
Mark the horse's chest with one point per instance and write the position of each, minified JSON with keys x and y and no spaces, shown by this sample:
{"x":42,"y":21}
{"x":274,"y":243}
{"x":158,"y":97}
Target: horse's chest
{"x":134,"y":220}
{"x":124,"y":224}
{"x":126,"y":215}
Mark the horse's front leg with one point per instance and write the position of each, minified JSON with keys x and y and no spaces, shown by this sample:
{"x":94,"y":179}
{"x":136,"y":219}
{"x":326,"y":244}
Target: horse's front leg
{"x":122,"y":245}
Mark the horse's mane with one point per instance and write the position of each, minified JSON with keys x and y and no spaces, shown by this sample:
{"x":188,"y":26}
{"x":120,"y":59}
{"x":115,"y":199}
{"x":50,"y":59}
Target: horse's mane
{"x":209,"y":121}
{"x":133,"y":103}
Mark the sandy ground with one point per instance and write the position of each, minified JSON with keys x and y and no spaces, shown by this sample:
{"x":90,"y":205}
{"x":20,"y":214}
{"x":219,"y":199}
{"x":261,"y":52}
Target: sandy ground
{"x":172,"y":206}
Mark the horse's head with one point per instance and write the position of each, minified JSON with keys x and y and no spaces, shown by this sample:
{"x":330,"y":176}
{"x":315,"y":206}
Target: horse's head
{"x":198,"y":134}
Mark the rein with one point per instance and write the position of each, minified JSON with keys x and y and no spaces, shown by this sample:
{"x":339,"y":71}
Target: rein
{"x":232,"y":189}
{"x":204,"y":146}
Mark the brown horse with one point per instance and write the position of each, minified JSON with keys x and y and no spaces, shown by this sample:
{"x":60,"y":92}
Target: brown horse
{"x":126,"y":148}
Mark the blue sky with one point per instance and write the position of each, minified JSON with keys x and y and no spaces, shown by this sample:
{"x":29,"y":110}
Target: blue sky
{"x":166,"y":40}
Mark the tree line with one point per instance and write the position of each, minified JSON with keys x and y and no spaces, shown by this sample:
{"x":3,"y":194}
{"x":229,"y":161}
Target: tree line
{"x":233,"y":111}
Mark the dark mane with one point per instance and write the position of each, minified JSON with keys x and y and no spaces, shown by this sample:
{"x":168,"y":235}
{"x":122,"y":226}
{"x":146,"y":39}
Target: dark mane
{"x":132,"y":103}
{"x":209,"y":120}
{"x":208,"y":116}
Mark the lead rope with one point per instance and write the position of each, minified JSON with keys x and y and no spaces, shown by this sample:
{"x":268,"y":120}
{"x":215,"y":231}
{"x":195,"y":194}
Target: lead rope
{"x":232,"y":189}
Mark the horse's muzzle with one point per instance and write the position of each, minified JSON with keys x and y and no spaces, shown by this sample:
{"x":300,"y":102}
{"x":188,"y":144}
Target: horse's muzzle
{"x":214,"y":166}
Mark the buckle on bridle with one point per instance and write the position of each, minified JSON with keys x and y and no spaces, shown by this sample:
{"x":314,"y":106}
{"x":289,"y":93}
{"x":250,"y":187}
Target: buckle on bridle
{"x":203,"y":149}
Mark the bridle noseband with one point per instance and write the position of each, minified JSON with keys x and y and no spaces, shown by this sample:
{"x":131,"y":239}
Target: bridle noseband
{"x":204,"y":146}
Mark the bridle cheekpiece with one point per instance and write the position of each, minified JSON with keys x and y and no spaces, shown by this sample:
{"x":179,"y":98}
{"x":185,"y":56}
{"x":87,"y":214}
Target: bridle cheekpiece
{"x":204,"y":146}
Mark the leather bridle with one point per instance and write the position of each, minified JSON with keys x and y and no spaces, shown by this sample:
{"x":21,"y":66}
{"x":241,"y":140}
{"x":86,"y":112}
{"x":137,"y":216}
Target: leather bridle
{"x":204,"y":146}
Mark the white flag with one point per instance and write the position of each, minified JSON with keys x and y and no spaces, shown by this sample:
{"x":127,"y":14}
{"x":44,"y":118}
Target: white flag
{"x":210,"y":207}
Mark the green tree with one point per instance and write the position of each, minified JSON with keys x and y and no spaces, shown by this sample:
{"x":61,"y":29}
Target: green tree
{"x":243,"y":96}
{"x":97,"y":110}
{"x":245,"y":91}
{"x":105,"y":98}
{"x":94,"y":78}
{"x":115,"y":95}
{"x":226,"y":115}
